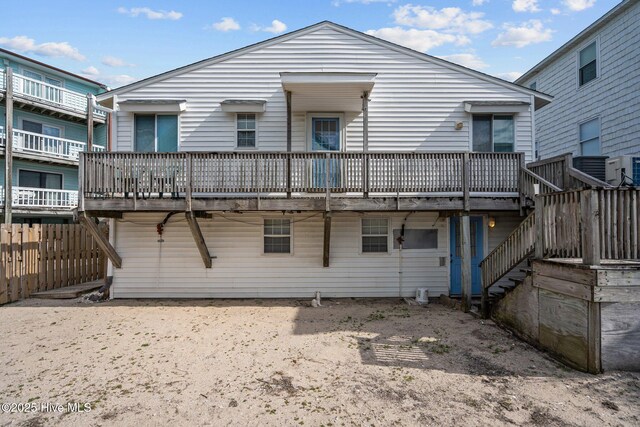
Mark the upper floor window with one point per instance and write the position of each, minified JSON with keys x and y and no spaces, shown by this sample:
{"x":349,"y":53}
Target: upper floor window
{"x":37,"y":76}
{"x":246,"y":130}
{"x":38,"y":179}
{"x":590,"y":138}
{"x":588,"y":64}
{"x":493,"y":133}
{"x":156,"y":133}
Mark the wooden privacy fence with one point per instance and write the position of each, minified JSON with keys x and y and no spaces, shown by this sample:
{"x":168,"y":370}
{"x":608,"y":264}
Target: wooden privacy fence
{"x":43,"y":257}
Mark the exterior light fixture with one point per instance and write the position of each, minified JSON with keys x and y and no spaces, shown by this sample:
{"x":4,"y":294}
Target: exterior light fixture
{"x":492,"y":222}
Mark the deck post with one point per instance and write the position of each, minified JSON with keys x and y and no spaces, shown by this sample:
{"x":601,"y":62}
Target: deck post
{"x":327,"y":181}
{"x":100,"y":239}
{"x":89,"y":122}
{"x":327,"y":239}
{"x":590,"y":218}
{"x":188,"y":177}
{"x":465,"y":243}
{"x":8,"y":147}
{"x":289,"y":144}
{"x":539,"y":227}
{"x":199,"y":239}
{"x":523,"y":198}
{"x":466,"y":180}
{"x":365,"y":144}
{"x":81,"y":174}
{"x":566,"y":176}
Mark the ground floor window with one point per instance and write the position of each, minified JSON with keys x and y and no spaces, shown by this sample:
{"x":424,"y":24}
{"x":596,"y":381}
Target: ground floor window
{"x":277,"y":236}
{"x":590,"y":138}
{"x":375,"y":235}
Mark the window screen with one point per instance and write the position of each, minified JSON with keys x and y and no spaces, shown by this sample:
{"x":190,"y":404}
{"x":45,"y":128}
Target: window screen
{"x":588,"y":67}
{"x":590,"y":138}
{"x":375,"y":235}
{"x":415,"y":238}
{"x":246,"y":126}
{"x":277,"y":236}
{"x":503,"y":134}
{"x":156,"y":133}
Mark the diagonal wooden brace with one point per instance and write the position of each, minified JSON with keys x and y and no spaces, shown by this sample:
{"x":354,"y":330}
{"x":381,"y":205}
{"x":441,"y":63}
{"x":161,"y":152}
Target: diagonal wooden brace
{"x":101,"y":240}
{"x":199,"y":239}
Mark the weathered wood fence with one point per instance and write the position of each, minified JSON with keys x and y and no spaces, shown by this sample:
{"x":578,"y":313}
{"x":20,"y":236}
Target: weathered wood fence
{"x":560,"y":172}
{"x":42,"y":257}
{"x":594,"y":225}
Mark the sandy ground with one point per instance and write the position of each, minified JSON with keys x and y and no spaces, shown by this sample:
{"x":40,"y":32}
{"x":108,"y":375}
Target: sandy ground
{"x":350,"y":362}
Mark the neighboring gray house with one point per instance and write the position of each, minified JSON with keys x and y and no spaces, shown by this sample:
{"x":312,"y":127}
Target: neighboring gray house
{"x":595,"y":81}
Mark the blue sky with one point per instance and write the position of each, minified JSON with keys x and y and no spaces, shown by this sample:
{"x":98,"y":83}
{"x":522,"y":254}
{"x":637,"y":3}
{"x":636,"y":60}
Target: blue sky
{"x":117,"y":42}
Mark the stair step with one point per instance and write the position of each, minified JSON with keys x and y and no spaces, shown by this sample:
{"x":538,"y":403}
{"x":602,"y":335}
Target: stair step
{"x":526,"y":270}
{"x":507,"y":288}
{"x":517,"y":280}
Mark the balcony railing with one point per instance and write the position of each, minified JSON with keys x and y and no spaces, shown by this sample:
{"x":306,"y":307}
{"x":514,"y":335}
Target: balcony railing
{"x":47,"y":146}
{"x":43,"y":198}
{"x":117,"y":175}
{"x":49,"y":94}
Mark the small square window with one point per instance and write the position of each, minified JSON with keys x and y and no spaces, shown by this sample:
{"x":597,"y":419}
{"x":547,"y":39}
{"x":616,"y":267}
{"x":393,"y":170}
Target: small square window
{"x":246,"y":130}
{"x":375,"y":235}
{"x":277,"y":236}
{"x":588,"y":64}
{"x":533,"y":86}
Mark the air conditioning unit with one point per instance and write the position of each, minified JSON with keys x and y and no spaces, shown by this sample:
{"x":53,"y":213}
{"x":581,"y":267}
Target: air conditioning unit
{"x":623,"y":167}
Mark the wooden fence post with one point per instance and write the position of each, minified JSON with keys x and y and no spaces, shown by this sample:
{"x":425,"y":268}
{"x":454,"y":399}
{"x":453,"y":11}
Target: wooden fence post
{"x":590,"y":219}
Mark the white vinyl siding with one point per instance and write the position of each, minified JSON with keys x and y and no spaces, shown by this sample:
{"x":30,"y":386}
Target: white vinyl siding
{"x":173,"y":267}
{"x":414,"y":104}
{"x":613,"y":96}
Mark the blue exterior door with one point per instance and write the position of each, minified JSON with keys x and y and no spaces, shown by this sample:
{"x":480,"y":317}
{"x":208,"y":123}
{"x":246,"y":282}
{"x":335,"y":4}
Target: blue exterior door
{"x":325,"y":136}
{"x":477,"y":254}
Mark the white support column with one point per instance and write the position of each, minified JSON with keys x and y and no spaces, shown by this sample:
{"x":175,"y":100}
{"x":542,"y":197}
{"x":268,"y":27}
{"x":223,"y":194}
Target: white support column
{"x":8,"y":147}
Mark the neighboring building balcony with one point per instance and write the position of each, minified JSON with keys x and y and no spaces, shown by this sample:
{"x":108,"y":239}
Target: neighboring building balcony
{"x":41,"y":147}
{"x":41,"y":199}
{"x":35,"y":94}
{"x":235,"y":181}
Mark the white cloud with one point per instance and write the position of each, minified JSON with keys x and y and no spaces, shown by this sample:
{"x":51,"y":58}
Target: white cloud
{"x":420,"y":40}
{"x":226,"y":24}
{"x":91,"y":71}
{"x":510,"y":76}
{"x":525,"y":6}
{"x":479,"y":2}
{"x":579,"y":5}
{"x":171,"y":15}
{"x":118,"y":80}
{"x":526,"y":33}
{"x":113,"y":61}
{"x":52,"y":49}
{"x":469,"y":60}
{"x":276,"y":27}
{"x":448,"y":19}
{"x":555,"y":11}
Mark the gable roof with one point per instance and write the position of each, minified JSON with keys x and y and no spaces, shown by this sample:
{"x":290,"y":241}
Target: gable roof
{"x":578,"y":39}
{"x":541,"y":98}
{"x":51,"y":67}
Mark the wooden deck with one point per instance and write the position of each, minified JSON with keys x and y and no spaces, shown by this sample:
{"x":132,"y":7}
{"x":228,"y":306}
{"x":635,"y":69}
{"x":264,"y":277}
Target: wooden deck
{"x":323,"y":181}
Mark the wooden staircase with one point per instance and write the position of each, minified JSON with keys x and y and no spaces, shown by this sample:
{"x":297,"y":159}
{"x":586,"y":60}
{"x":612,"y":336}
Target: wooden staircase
{"x":542,"y":177}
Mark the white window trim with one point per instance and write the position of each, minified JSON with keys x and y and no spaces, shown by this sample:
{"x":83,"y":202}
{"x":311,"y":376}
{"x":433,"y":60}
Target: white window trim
{"x":389,"y":237}
{"x":343,"y":130}
{"x":580,"y":141}
{"x":515,"y":130}
{"x":155,"y":130}
{"x":43,"y":75}
{"x":60,"y":128}
{"x":262,"y":235}
{"x":40,"y":171}
{"x":583,"y":46}
{"x":235,"y":132}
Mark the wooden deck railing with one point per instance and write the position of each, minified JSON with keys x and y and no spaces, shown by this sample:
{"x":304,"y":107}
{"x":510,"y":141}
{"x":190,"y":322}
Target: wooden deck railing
{"x":595,"y":224}
{"x":113,"y":175}
{"x":560,"y":172}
